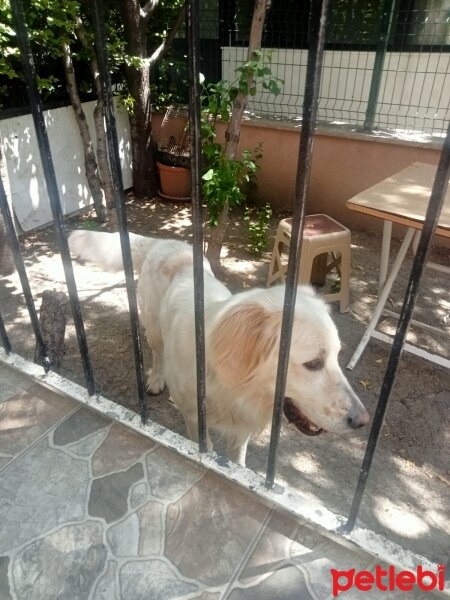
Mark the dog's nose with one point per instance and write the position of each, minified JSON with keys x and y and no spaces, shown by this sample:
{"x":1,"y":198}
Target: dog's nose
{"x":359,"y":420}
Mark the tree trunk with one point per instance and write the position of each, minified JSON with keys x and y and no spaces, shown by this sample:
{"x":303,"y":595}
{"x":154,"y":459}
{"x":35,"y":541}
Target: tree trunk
{"x":95,"y":184}
{"x":102,"y":146}
{"x":103,"y":163}
{"x":53,"y":326}
{"x":233,"y":131}
{"x":138,"y":80}
{"x":7,"y":264}
{"x":142,"y":149}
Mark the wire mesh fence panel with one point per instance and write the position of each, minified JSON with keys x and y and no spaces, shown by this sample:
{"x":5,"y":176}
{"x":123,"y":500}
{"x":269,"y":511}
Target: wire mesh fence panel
{"x":403,"y":43}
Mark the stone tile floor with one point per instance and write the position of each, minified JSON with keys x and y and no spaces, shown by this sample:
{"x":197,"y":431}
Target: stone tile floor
{"x":92,"y":510}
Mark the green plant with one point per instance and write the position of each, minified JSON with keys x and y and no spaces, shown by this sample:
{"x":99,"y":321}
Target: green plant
{"x":90,"y":224}
{"x":258,"y":220}
{"x":227,"y":180}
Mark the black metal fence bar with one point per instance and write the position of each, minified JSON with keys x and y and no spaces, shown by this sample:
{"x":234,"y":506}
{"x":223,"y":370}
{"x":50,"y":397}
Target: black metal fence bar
{"x":318,"y":19}
{"x":116,"y":173}
{"x":431,"y":220}
{"x":197,"y":217}
{"x":4,"y":336}
{"x":20,"y":266}
{"x":52,"y":187}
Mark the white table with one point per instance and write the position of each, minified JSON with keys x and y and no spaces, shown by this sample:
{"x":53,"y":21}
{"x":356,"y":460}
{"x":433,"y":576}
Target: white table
{"x":402,"y":198}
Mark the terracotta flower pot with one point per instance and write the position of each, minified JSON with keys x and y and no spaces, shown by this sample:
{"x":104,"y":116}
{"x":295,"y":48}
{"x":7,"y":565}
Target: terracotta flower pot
{"x":175,"y":182}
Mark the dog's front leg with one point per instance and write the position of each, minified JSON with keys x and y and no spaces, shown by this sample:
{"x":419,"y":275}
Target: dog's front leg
{"x":192,"y":431}
{"x":238,"y":452}
{"x":155,"y":377}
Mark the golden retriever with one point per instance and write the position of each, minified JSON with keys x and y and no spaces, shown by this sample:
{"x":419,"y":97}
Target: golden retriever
{"x":242,"y":334}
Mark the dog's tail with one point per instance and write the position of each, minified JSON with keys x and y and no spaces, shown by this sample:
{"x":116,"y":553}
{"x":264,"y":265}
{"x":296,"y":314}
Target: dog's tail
{"x":104,"y":249}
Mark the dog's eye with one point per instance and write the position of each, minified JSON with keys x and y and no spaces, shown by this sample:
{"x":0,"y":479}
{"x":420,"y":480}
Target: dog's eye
{"x":314,"y":365}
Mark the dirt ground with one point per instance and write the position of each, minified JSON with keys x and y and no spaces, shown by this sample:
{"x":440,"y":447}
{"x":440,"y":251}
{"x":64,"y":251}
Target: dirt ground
{"x":408,"y":496}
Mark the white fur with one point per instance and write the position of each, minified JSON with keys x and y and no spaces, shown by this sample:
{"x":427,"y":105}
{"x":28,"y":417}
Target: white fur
{"x":242,"y":343}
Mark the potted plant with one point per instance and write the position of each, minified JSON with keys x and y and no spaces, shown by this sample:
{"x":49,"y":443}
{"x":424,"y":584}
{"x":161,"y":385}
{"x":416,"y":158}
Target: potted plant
{"x":173,"y":156}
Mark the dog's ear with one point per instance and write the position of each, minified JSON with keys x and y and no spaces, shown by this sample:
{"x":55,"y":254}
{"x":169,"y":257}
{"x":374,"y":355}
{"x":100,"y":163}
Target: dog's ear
{"x":243,"y":340}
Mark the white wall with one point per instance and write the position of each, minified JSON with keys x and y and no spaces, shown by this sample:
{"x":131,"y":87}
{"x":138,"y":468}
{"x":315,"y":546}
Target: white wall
{"x":28,"y":190}
{"x":414,"y":93}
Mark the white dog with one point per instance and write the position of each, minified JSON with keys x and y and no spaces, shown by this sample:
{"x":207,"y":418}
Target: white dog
{"x":242,"y":334}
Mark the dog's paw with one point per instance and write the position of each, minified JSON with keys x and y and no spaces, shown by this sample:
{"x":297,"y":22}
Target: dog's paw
{"x":155,"y":382}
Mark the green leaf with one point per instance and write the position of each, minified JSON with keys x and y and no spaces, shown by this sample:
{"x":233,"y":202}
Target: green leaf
{"x":233,"y":91}
{"x":274,"y":87}
{"x":243,"y":87}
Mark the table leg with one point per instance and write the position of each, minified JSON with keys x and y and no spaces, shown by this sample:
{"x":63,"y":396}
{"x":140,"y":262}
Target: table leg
{"x":382,"y":297}
{"x":430,"y":265}
{"x":385,"y":250}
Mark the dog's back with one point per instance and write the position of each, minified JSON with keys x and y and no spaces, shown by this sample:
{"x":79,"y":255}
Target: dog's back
{"x":104,"y":249}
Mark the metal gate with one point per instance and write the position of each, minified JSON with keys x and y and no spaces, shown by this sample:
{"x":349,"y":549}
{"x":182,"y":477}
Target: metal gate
{"x":318,"y":20}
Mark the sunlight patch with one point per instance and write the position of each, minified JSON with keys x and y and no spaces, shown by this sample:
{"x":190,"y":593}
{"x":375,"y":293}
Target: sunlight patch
{"x":399,"y":519}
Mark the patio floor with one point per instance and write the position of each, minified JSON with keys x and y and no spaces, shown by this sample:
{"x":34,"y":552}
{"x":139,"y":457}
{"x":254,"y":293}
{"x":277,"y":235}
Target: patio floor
{"x":91,"y":509}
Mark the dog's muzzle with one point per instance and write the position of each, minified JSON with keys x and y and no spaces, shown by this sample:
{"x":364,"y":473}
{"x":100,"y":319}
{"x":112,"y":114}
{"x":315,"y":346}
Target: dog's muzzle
{"x":295,"y":416}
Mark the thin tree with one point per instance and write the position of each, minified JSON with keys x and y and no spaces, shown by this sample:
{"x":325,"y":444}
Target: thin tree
{"x":233,"y":131}
{"x":137,"y":20}
{"x":90,"y":160}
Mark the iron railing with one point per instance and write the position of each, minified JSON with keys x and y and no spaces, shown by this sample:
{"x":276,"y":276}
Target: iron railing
{"x":315,"y":57}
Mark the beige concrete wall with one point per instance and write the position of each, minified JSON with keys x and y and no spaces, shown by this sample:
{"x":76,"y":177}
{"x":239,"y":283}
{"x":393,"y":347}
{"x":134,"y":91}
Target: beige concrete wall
{"x":343,"y":165}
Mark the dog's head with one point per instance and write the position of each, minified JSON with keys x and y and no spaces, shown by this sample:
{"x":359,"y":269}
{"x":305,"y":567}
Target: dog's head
{"x":245,"y":346}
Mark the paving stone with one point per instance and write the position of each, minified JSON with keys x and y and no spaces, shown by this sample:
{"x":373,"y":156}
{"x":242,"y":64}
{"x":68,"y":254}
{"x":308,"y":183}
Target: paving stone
{"x":315,"y":556}
{"x":153,"y":579}
{"x":109,"y":495}
{"x":5,"y":593}
{"x":123,"y":538}
{"x":120,"y":449}
{"x":5,"y":458}
{"x":13,"y":383}
{"x":139,"y":534}
{"x":89,"y":445}
{"x":78,"y":426}
{"x":27,"y":416}
{"x":286,"y":583}
{"x":139,"y":494}
{"x":106,"y":587}
{"x":223,"y":519}
{"x":272,"y":548}
{"x":169,"y":475}
{"x":151,"y":517}
{"x":65,"y":564}
{"x":42,"y":489}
